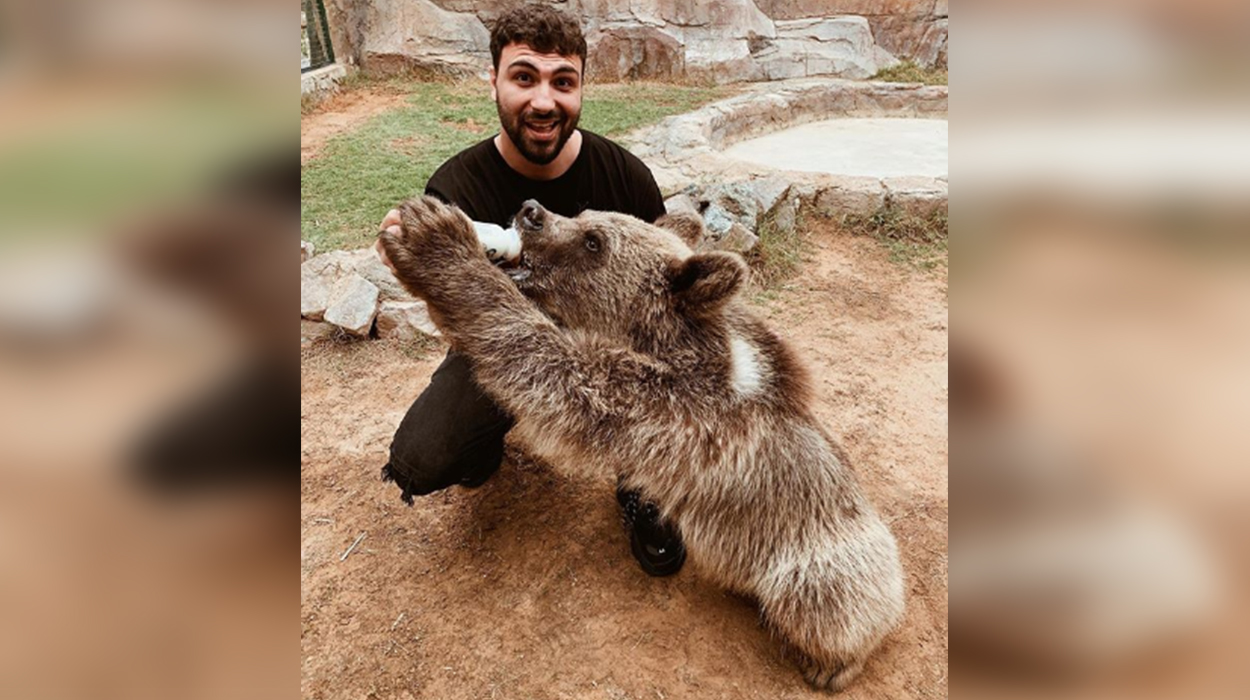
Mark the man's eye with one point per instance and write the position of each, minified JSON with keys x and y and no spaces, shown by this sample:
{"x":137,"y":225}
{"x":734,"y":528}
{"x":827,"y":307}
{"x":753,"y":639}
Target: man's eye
{"x":523,"y":78}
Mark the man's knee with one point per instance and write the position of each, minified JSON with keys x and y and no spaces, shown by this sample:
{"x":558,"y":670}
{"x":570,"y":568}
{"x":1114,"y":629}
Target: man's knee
{"x":452,"y":434}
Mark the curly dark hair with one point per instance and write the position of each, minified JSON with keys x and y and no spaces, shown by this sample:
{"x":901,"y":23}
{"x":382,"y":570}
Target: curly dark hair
{"x":541,"y":27}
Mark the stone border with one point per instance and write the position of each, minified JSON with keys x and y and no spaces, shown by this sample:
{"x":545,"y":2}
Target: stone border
{"x":685,"y":151}
{"x":321,"y":80}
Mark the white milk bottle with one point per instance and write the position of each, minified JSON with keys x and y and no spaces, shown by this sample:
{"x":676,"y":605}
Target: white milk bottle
{"x":501,"y":244}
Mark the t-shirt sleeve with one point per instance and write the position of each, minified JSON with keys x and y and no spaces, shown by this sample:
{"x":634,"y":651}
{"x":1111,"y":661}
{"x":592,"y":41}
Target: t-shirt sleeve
{"x":648,"y":202}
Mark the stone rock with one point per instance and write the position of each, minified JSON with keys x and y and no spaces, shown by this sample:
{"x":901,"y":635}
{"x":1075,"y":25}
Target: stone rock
{"x":726,"y":204}
{"x":353,"y":305}
{"x":898,"y":26}
{"x":634,"y":53}
{"x":313,"y":331}
{"x":734,"y":212}
{"x":403,"y":36}
{"x":737,"y":239}
{"x":769,"y":191}
{"x":367,"y":264}
{"x":405,"y":320}
{"x":848,"y":195}
{"x":681,"y":202}
{"x":784,"y":215}
{"x":798,"y":9}
{"x":719,"y":40}
{"x":919,"y":37}
{"x":884,"y":59}
{"x":682,"y":139}
{"x":840,"y":46}
{"x":314,"y":293}
{"x":331,"y":267}
{"x":919,"y":196}
{"x":306,"y":251}
{"x":669,"y":180}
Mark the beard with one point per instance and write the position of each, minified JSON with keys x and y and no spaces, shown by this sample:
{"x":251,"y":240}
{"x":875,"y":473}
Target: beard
{"x":536,"y":151}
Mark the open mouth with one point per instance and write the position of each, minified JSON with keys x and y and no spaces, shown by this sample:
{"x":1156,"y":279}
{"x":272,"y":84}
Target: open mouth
{"x":520,"y":272}
{"x":543,"y":131}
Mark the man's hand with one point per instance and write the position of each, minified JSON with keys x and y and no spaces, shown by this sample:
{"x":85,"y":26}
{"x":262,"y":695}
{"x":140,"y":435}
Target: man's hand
{"x":390,"y":223}
{"x":433,"y":240}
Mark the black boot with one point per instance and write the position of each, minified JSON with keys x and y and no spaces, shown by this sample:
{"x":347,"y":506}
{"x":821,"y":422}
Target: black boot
{"x":656,"y":544}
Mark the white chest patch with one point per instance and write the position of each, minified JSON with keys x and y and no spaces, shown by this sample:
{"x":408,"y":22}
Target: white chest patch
{"x":748,"y":367}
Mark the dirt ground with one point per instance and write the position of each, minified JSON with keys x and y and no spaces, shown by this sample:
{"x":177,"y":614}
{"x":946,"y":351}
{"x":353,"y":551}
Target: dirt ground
{"x":525,"y":587}
{"x":340,"y":112}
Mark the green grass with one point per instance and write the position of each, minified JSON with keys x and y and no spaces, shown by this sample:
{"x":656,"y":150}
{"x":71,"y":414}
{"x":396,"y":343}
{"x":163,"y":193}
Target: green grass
{"x":909,"y":72}
{"x":918,"y":241}
{"x":358,"y":176}
{"x":778,"y":254}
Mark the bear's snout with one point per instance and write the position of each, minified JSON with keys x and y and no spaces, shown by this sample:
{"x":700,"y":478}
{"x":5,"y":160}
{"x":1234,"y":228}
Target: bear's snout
{"x":531,"y":216}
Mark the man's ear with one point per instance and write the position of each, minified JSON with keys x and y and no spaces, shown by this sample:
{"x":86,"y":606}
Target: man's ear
{"x":686,"y":224}
{"x":704,"y":282}
{"x":494,"y":92}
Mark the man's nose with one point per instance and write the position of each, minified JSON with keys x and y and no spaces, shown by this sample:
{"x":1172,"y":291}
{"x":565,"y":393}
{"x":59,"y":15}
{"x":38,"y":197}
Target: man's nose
{"x":542,"y":100}
{"x":531,"y":215}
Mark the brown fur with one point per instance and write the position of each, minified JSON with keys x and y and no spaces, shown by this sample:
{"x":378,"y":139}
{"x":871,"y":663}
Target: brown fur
{"x":625,"y":353}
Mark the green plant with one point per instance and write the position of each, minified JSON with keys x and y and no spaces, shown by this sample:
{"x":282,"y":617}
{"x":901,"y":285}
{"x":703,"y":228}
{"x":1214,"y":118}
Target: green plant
{"x":909,"y":72}
{"x":778,"y":254}
{"x":918,"y":240}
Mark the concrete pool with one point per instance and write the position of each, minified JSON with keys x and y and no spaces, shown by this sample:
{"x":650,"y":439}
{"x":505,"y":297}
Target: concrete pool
{"x":876,"y":147}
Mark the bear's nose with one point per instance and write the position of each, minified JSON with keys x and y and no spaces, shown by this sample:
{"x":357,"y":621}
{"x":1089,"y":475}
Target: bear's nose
{"x":531,"y":215}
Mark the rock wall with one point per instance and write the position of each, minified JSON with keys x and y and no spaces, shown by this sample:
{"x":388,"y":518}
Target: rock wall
{"x":706,"y":40}
{"x":914,"y":29}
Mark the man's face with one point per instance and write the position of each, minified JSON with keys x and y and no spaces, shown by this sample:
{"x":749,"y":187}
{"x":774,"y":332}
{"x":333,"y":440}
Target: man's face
{"x":539,"y":98}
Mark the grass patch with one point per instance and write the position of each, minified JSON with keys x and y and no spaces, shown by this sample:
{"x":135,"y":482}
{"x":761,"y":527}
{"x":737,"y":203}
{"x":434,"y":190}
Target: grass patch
{"x":778,"y":254}
{"x":918,"y":241}
{"x":909,"y":72}
{"x":616,"y":109}
{"x":421,"y":347}
{"x":358,"y":176}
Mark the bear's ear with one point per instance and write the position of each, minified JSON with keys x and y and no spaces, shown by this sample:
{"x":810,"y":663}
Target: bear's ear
{"x":704,"y":282}
{"x":686,"y":224}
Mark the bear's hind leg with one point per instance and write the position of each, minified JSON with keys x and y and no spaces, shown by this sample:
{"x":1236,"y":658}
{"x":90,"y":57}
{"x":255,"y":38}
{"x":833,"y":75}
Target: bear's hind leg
{"x":812,"y":625}
{"x":834,"y":676}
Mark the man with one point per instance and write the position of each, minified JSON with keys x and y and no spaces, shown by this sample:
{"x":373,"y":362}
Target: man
{"x":454,"y":433}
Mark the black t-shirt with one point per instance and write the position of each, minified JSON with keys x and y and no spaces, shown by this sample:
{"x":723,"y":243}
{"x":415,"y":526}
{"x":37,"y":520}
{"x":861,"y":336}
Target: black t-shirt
{"x":605,"y":177}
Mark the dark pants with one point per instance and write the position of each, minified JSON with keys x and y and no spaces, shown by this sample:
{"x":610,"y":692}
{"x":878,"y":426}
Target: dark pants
{"x":453,"y":434}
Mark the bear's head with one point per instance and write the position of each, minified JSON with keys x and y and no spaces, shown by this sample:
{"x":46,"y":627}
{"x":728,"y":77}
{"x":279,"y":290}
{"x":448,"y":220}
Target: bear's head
{"x":616,"y":275}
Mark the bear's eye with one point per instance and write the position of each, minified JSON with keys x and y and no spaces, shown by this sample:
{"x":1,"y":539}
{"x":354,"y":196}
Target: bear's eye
{"x":592,"y":243}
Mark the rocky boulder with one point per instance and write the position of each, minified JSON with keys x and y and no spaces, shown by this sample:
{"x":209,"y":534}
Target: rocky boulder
{"x":719,"y":40}
{"x":841,"y":46}
{"x":353,"y":304}
{"x":350,"y":289}
{"x":735,"y":214}
{"x":634,"y":53}
{"x":406,"y":320}
{"x":404,"y":36}
{"x":915,"y":29}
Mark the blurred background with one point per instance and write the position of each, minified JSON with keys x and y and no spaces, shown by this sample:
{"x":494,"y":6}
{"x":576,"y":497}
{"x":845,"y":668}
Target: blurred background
{"x":1100,"y":297}
{"x":148,"y":220}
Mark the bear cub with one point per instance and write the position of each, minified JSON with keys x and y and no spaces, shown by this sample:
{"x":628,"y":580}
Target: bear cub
{"x":620,"y":351}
